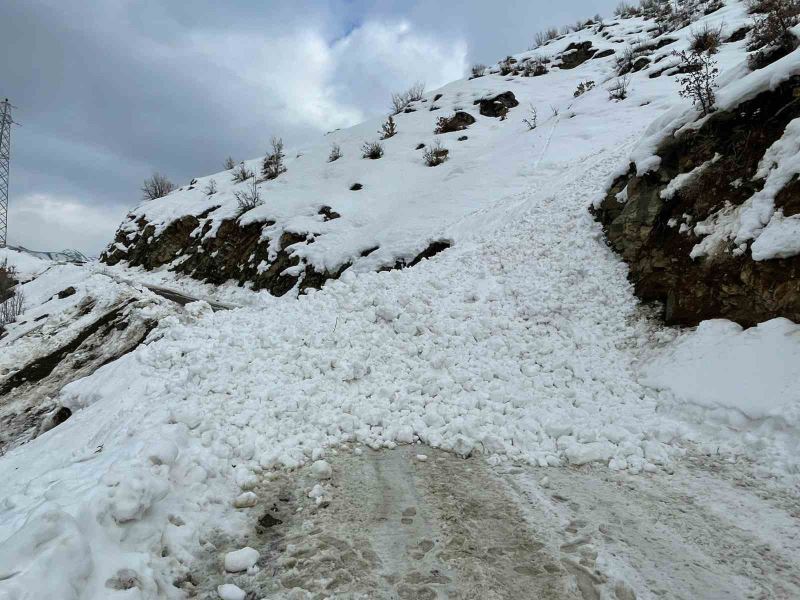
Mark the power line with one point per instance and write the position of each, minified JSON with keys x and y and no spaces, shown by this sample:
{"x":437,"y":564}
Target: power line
{"x":5,"y":158}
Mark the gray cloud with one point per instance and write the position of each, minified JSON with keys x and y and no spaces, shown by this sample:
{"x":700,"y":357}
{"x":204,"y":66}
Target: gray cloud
{"x":109,"y":91}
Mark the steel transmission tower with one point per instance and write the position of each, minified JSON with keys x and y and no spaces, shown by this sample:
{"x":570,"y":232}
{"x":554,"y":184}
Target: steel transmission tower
{"x":5,"y":158}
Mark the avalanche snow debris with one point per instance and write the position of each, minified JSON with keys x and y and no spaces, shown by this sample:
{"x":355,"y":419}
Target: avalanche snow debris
{"x":520,"y":343}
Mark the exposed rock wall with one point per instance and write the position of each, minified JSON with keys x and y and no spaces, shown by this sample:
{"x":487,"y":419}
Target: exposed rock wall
{"x":235,"y":252}
{"x":655,"y":234}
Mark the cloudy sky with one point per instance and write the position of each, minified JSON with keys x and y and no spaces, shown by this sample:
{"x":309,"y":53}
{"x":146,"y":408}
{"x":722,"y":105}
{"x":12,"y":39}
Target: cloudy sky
{"x":110,"y":90}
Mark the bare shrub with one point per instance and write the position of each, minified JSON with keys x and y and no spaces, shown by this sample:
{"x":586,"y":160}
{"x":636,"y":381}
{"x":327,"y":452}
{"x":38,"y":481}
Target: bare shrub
{"x":401,"y":100}
{"x":230,"y":163}
{"x":336,"y":153}
{"x":706,"y":39}
{"x":11,"y":297}
{"x":416,"y":91}
{"x":772,"y":25}
{"x":534,"y":66}
{"x":273,"y":161}
{"x":700,"y":79}
{"x":478,"y":70}
{"x":530,"y":120}
{"x":156,"y":186}
{"x":624,"y":9}
{"x":371,"y":150}
{"x":507,"y":65}
{"x":619,"y":89}
{"x":249,"y":198}
{"x":625,"y":60}
{"x":583,"y":87}
{"x":211,"y":187}
{"x":8,"y":279}
{"x":242,"y":174}
{"x":388,"y":129}
{"x":543,"y":37}
{"x":435,"y":154}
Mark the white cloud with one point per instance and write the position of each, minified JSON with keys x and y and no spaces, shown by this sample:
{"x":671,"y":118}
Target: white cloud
{"x":380,"y":57}
{"x":51,"y":223}
{"x":307,"y":82}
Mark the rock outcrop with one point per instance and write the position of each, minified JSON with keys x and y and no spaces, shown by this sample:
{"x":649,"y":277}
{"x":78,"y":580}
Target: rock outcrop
{"x":235,"y":252}
{"x":497,"y":106}
{"x":576,"y":54}
{"x":652,"y":219}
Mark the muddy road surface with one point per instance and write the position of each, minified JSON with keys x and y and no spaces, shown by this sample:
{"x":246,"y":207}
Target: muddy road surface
{"x":417,"y":523}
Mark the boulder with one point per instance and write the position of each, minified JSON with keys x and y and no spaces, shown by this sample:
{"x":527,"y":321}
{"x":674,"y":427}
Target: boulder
{"x":497,"y":106}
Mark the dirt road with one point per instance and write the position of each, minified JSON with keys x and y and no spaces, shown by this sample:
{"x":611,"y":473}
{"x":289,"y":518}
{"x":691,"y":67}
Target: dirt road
{"x":394,"y":525}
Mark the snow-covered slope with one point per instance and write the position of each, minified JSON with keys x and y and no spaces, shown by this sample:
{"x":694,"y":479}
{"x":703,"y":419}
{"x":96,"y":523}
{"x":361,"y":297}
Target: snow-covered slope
{"x":26,"y":265}
{"x":520,"y":342}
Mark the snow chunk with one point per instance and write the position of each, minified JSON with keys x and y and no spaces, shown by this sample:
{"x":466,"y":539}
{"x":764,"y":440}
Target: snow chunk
{"x":229,"y":591}
{"x":241,"y":560}
{"x":580,"y":454}
{"x":321,"y":469}
{"x":246,"y":500}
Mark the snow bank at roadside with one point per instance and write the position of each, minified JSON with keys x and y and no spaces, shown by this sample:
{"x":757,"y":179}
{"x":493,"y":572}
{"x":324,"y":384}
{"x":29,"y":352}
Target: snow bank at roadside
{"x":747,"y":379}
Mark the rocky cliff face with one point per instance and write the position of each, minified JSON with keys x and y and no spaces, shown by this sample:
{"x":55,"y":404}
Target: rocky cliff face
{"x":237,"y":252}
{"x":656,"y":220}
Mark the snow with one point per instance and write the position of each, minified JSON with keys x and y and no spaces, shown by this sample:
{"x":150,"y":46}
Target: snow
{"x":684,"y":178}
{"x":746,"y":379}
{"x":26,"y":265}
{"x":755,"y":371}
{"x":246,"y":500}
{"x":779,"y":239}
{"x":241,"y":560}
{"x":519,"y":344}
{"x":321,"y":469}
{"x":229,"y":591}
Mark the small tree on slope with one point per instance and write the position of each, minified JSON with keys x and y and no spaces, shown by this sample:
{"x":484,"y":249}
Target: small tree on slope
{"x":700,"y":80}
{"x":156,"y":186}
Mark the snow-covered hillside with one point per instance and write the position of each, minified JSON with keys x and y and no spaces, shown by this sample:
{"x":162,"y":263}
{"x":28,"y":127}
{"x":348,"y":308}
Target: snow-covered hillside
{"x":519,"y":341}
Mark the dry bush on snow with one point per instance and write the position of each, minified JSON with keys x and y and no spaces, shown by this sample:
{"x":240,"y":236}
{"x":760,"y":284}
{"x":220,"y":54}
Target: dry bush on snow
{"x":706,"y":39}
{"x":542,"y":37}
{"x":250,"y":197}
{"x":229,"y":163}
{"x":478,"y":70}
{"x":241,"y":174}
{"x":700,"y":79}
{"x":388,"y":129}
{"x":156,"y":186}
{"x":400,"y":101}
{"x":11,"y":297}
{"x":371,"y":150}
{"x":583,"y":87}
{"x":531,"y":119}
{"x":619,"y":89}
{"x":336,"y":153}
{"x":435,"y":154}
{"x":211,"y":187}
{"x":771,"y":34}
{"x":273,"y":162}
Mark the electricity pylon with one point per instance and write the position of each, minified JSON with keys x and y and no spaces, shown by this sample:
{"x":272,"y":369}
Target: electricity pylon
{"x":5,"y":158}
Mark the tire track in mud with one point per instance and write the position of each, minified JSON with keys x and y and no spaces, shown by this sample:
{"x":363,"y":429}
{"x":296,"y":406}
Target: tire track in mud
{"x":396,"y":527}
{"x":402,"y":528}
